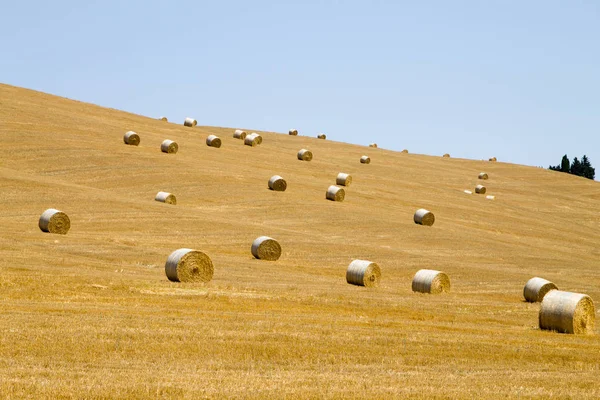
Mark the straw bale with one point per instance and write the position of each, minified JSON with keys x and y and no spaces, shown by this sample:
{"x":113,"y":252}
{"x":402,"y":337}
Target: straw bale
{"x":165,"y":119}
{"x":404,"y":151}
{"x":253,"y":139}
{"x":467,"y":191}
{"x":213,"y":141}
{"x":536,"y":288}
{"x":373,"y":145}
{"x":480,"y":189}
{"x":169,"y":146}
{"x":277,"y":183}
{"x":54,"y":221}
{"x":131,"y":138}
{"x":266,"y":248}
{"x":239,"y":134}
{"x":363,"y":273}
{"x":343,"y":179}
{"x":335,"y":193}
{"x":446,"y":155}
{"x":424,"y":217}
{"x":482,"y":175}
{"x":305,"y":155}
{"x":293,"y":132}
{"x":430,"y":281}
{"x":493,"y":159}
{"x":190,"y":122}
{"x":322,"y":136}
{"x":187,"y":265}
{"x":365,"y":160}
{"x":567,"y":312}
{"x":166,"y":197}
{"x":490,"y":197}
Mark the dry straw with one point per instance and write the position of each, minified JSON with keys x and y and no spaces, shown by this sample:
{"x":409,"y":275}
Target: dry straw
{"x":187,"y":265}
{"x":322,"y":136}
{"x":164,"y":119}
{"x":266,"y":248}
{"x":293,"y":132}
{"x":305,"y":155}
{"x":54,"y":221}
{"x":480,"y":189}
{"x":131,"y":138}
{"x":373,"y":145}
{"x":536,"y":288}
{"x":277,"y":183}
{"x":363,"y":273}
{"x":335,"y":193}
{"x":404,"y":151}
{"x":343,"y":179}
{"x":169,"y":146}
{"x":490,"y":197}
{"x":424,"y":217}
{"x":446,"y":155}
{"x":213,"y":141}
{"x":430,"y":281}
{"x":253,"y":139}
{"x":239,"y":134}
{"x":467,"y":191}
{"x":166,"y":197}
{"x":493,"y":159}
{"x":483,"y":175}
{"x":365,"y":160}
{"x":567,"y":312}
{"x":190,"y":122}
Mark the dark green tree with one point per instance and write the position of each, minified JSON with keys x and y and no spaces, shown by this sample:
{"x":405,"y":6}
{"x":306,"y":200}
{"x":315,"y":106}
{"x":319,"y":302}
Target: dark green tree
{"x":580,"y":168}
{"x":587,"y":170}
{"x":565,"y":164}
{"x":576,"y":168}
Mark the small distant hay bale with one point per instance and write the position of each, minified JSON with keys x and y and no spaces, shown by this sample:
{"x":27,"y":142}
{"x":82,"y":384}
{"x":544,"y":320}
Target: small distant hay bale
{"x":430,"y":281}
{"x":239,"y":134}
{"x":424,"y":217}
{"x":567,"y":312}
{"x":446,"y":155}
{"x":191,"y":122}
{"x":467,"y":191}
{"x":187,"y":265}
{"x":404,"y":151}
{"x":493,"y":159}
{"x":305,"y":155}
{"x":482,"y":175}
{"x":165,"y":119}
{"x":363,"y":273}
{"x":490,"y":197}
{"x":322,"y":136}
{"x":213,"y":141}
{"x":277,"y":183}
{"x":480,"y":189}
{"x":253,"y":140}
{"x":266,"y":248}
{"x":169,"y":146}
{"x":373,"y":145}
{"x":335,"y":193}
{"x":343,"y":179}
{"x":131,"y":138}
{"x":54,"y":221}
{"x":536,"y":288}
{"x":365,"y":160}
{"x":166,"y":197}
{"x":293,"y":132}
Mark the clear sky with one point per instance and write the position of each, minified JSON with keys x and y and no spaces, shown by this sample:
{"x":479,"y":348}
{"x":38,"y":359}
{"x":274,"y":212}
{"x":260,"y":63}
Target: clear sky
{"x":519,"y":80}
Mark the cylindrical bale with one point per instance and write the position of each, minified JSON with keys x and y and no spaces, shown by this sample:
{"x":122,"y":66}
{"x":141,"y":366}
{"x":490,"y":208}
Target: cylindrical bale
{"x":483,"y":175}
{"x":363,"y":273}
{"x":490,"y":197}
{"x":131,"y":138}
{"x":404,"y":151}
{"x":343,"y":179}
{"x":239,"y":134}
{"x":293,"y":132}
{"x":190,"y":122}
{"x":322,"y":136}
{"x":266,"y":248}
{"x":213,"y":141}
{"x":187,"y":265}
{"x":169,"y":146}
{"x":166,"y":197}
{"x":493,"y":159}
{"x":430,"y":281}
{"x":373,"y":145}
{"x":305,"y":155}
{"x":567,"y":312}
{"x":424,"y":217}
{"x":335,"y":193}
{"x":54,"y":221}
{"x":480,"y":189}
{"x":446,"y":155}
{"x":536,"y":288}
{"x":165,"y":119}
{"x":365,"y":160}
{"x":253,"y":139}
{"x":277,"y":183}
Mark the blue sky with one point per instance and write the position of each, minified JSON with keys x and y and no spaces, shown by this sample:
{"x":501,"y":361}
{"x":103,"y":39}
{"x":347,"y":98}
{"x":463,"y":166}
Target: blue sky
{"x":519,"y":80}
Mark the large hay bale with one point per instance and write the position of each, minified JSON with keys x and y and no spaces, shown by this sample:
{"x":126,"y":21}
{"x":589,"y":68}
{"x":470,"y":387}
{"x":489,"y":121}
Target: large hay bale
{"x":166,"y":197}
{"x":165,"y":119}
{"x":446,"y":155}
{"x":253,"y":139}
{"x":480,"y":189}
{"x":213,"y":141}
{"x":567,"y":312}
{"x":373,"y":145}
{"x":131,"y":138}
{"x":343,"y":179}
{"x":305,"y":155}
{"x":430,"y":281}
{"x":482,"y":175}
{"x":54,"y":221}
{"x":365,"y":160}
{"x":187,"y":265}
{"x":493,"y":159}
{"x":322,"y":136}
{"x":404,"y":151}
{"x":335,"y":193}
{"x":190,"y":122}
{"x":266,"y":248}
{"x":277,"y":183}
{"x":239,"y":134}
{"x":536,"y":288}
{"x":169,"y":146}
{"x":293,"y":132}
{"x":363,"y":273}
{"x":424,"y":217}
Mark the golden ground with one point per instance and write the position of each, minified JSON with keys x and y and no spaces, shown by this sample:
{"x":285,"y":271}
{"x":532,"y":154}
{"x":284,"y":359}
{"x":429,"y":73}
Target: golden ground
{"x":92,"y":315}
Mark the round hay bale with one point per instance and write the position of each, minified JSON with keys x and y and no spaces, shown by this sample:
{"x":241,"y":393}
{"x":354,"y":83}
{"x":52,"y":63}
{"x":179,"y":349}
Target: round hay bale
{"x":164,"y":119}
{"x":446,"y":155}
{"x":467,"y":191}
{"x":404,"y":151}
{"x":480,"y":189}
{"x":335,"y":193}
{"x":430,"y":281}
{"x":305,"y":155}
{"x":373,"y":145}
{"x":490,"y":197}
{"x":567,"y":312}
{"x":493,"y":159}
{"x":190,"y":122}
{"x":253,"y":139}
{"x":266,"y":248}
{"x":187,"y":265}
{"x":536,"y":288}
{"x":213,"y":141}
{"x":293,"y":132}
{"x":363,"y":273}
{"x":322,"y":136}
{"x":424,"y":217}
{"x":54,"y":221}
{"x":166,"y":197}
{"x":277,"y":183}
{"x":239,"y":134}
{"x":169,"y":147}
{"x":343,"y":179}
{"x":365,"y":160}
{"x":131,"y":138}
{"x":482,"y":175}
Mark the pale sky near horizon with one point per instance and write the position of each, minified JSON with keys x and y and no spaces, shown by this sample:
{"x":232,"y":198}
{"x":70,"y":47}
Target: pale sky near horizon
{"x":518,"y":80}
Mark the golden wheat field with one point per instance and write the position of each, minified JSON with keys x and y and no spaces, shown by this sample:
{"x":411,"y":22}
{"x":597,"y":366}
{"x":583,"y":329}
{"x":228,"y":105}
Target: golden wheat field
{"x":91,"y":314}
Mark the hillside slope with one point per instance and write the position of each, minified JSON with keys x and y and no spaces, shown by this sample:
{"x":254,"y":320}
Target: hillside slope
{"x":92,"y":315}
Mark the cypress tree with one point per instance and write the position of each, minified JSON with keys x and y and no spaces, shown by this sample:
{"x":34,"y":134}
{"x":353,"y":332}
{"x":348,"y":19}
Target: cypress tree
{"x":565,"y":164}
